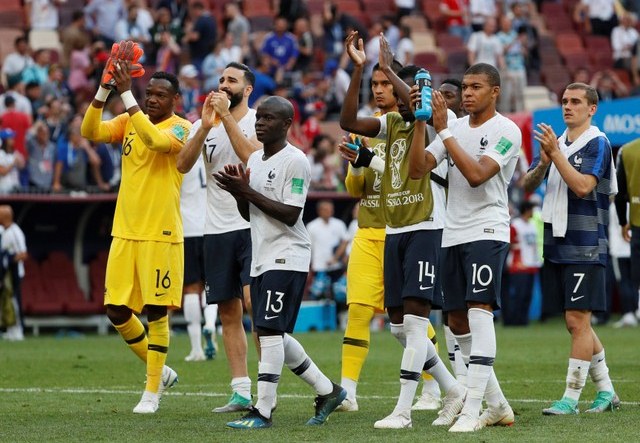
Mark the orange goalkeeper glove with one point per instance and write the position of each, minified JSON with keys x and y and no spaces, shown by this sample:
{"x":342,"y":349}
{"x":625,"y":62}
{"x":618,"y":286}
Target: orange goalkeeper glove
{"x":125,"y":50}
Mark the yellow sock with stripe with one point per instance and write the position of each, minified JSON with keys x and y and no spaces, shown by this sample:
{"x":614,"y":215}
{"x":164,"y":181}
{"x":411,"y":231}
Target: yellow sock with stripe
{"x":157,"y":354}
{"x":132,"y":331}
{"x":355,"y":345}
{"x":431,"y":334}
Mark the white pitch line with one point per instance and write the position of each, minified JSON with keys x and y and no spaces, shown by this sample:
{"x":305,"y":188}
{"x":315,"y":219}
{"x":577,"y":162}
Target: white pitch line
{"x":82,"y":391}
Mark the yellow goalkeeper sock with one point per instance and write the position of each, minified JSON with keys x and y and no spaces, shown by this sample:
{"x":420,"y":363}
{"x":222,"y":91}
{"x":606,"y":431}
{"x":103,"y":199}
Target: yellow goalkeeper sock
{"x":157,"y":354}
{"x":431,"y":334}
{"x":355,"y":345}
{"x":132,"y":331}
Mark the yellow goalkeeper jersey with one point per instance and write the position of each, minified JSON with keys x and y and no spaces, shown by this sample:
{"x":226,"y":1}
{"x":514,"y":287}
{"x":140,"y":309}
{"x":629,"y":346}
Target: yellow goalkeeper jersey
{"x":148,"y":205}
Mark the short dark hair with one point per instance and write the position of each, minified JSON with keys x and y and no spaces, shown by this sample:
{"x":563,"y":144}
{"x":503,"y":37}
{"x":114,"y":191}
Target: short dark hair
{"x":20,"y":39}
{"x":485,"y":68}
{"x":77,"y":15}
{"x":395,"y":66}
{"x":408,"y":71}
{"x":589,"y":91}
{"x":452,"y":81}
{"x":248,"y":74}
{"x":525,"y":206}
{"x":171,"y":78}
{"x":9,"y":101}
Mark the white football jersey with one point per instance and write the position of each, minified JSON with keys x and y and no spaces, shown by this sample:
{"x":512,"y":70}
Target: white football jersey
{"x":283,"y":177}
{"x":480,"y":213}
{"x":193,"y":200}
{"x":222,"y":211}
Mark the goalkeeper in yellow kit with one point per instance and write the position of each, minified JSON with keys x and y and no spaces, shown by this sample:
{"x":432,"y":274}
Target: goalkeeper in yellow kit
{"x":146,"y":260}
{"x":365,"y":282}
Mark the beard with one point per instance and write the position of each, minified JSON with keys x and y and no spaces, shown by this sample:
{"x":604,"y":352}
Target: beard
{"x":235,"y":99}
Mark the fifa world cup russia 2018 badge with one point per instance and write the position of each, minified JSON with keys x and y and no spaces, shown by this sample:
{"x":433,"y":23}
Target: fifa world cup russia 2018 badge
{"x":178,"y":131}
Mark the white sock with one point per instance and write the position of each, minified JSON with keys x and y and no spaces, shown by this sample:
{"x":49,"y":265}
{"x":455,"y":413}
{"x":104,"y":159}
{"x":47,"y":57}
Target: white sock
{"x":300,"y":364}
{"x":435,"y":366}
{"x":576,"y":378}
{"x":350,"y":386}
{"x":397,"y":330}
{"x":599,"y":373}
{"x":431,"y":387}
{"x":210,"y":317}
{"x":241,"y":385}
{"x":193,"y":316}
{"x":493,"y":393}
{"x":483,"y":354}
{"x":450,"y":341}
{"x":462,"y":357}
{"x":413,"y":358}
{"x":269,"y":371}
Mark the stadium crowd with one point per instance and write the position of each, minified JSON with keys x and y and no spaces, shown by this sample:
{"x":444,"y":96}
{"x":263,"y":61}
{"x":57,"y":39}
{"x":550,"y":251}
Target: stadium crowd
{"x":460,"y":207}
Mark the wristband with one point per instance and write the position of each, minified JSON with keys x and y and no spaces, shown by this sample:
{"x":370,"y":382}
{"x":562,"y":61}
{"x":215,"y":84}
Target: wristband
{"x":128,"y":100}
{"x":377,"y":164}
{"x":445,"y":134}
{"x":102,"y":94}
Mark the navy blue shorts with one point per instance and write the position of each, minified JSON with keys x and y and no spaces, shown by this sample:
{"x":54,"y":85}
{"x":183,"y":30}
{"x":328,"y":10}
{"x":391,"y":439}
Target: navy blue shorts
{"x":227,"y":264}
{"x":472,"y":272}
{"x":193,"y":260}
{"x":577,"y":287}
{"x":411,"y":267}
{"x":276,"y":298}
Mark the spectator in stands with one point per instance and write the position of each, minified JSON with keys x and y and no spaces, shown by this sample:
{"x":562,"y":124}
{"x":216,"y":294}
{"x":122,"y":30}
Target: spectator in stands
{"x":336,"y":25}
{"x":514,"y":74}
{"x":609,"y":85}
{"x":127,"y":28}
{"x":480,"y":11}
{"x":521,"y":21}
{"x":55,"y":86}
{"x":73,"y":36}
{"x":16,"y":89}
{"x":101,"y":18}
{"x":144,"y":18}
{"x":485,"y":47}
{"x":238,"y":27}
{"x":201,"y":33}
{"x":14,"y":249}
{"x":456,"y":13}
{"x":42,"y":157}
{"x":523,"y":263}
{"x":10,"y":163}
{"x":316,"y":112}
{"x":405,"y":51}
{"x":230,"y":51}
{"x":16,"y":62}
{"x":16,"y":120}
{"x":293,"y":9}
{"x":304,"y":39}
{"x":404,"y":7}
{"x":339,"y":81}
{"x":329,"y":240}
{"x":33,"y":92}
{"x":212,"y":68}
{"x":190,"y":91}
{"x":56,"y":115}
{"x":324,"y":164}
{"x":264,"y":84}
{"x":598,"y":17}
{"x":80,"y":69}
{"x":163,"y":24}
{"x":391,"y":31}
{"x":39,"y":71}
{"x":42,"y":15}
{"x":168,"y":54}
{"x":624,"y":42}
{"x":281,"y":47}
{"x":178,"y":10}
{"x":75,"y":157}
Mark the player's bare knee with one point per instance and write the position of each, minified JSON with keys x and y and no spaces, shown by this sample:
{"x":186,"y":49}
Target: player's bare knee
{"x":458,"y":322}
{"x":118,"y":314}
{"x":230,"y":312}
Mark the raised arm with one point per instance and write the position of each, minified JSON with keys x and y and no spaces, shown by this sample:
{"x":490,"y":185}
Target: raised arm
{"x":349,"y":120}
{"x":242,"y":146}
{"x":402,"y":90}
{"x":475,"y":171}
{"x":580,"y":184}
{"x":188,"y":156}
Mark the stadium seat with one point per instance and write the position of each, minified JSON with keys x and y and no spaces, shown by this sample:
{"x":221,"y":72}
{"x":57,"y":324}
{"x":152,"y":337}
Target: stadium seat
{"x":423,"y":41}
{"x":43,"y":39}
{"x":415,"y":22}
{"x":457,"y":60}
{"x":12,"y":18}
{"x":447,"y":42}
{"x":537,"y":97}
{"x":427,"y":60}
{"x":261,"y":23}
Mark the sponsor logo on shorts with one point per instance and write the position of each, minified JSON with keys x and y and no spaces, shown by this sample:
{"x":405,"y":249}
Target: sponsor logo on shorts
{"x":475,"y":291}
{"x":270,"y":317}
{"x":160,"y":294}
{"x":576,"y":298}
{"x":424,"y":288}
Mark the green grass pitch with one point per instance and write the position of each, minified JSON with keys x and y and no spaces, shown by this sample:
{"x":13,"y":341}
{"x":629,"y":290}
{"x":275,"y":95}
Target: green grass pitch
{"x":83,"y":389}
